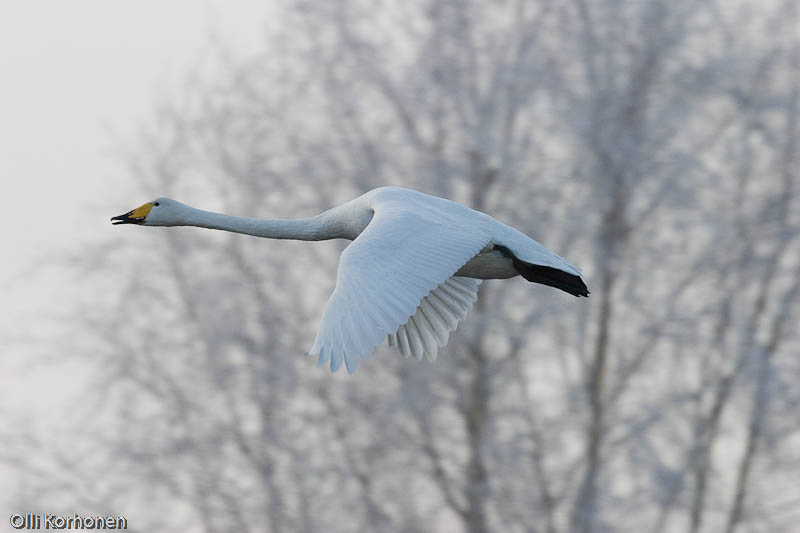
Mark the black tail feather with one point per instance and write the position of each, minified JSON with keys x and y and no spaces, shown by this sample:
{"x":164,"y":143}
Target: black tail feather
{"x":549,"y":276}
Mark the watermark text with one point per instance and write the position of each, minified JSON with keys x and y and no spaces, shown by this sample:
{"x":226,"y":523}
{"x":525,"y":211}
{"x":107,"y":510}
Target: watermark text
{"x":73,"y":521}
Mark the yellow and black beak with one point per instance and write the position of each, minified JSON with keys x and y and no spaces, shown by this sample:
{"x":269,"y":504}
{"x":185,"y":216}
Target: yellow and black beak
{"x":136,"y":216}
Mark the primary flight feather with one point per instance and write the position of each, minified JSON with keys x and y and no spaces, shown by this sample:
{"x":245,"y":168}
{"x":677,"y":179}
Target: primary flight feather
{"x":411,"y":273}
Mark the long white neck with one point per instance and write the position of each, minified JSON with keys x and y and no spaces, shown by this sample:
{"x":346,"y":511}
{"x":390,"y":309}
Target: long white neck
{"x":319,"y":228}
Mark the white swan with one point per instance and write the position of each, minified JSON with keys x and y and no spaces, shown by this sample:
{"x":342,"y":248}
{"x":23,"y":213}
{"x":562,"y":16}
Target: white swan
{"x":411,"y":273}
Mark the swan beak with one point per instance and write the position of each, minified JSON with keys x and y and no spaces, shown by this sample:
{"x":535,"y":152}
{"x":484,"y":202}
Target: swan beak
{"x":136,"y":216}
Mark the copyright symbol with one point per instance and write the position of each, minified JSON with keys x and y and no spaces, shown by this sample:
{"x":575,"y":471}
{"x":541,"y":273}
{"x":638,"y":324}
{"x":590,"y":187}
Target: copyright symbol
{"x":17,"y":521}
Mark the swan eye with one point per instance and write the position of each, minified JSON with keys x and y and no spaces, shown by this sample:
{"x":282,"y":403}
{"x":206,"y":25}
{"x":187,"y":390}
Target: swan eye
{"x":156,"y":204}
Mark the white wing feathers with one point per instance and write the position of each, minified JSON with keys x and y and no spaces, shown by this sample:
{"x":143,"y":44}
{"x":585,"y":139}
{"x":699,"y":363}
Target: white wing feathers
{"x":438,"y":314}
{"x":386,"y":274}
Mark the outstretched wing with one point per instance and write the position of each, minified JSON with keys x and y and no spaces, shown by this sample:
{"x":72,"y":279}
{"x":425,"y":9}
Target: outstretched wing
{"x":383,"y":277}
{"x":437,"y":316}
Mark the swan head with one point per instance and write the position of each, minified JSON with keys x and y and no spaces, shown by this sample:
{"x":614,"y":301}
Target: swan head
{"x":159,"y":212}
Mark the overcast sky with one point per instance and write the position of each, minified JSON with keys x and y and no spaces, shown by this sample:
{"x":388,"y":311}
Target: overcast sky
{"x":78,"y":80}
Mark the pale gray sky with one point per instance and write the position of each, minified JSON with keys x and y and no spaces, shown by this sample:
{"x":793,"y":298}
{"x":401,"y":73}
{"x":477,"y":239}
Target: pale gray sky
{"x":77,"y":79}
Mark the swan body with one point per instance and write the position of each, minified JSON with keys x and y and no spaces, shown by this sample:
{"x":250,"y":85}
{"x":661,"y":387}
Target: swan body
{"x":411,"y":274}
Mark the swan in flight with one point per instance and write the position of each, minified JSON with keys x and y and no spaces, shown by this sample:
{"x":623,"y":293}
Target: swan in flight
{"x":411,"y":273}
